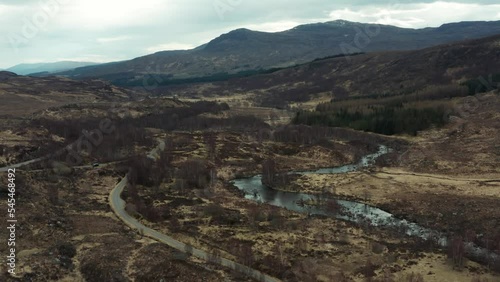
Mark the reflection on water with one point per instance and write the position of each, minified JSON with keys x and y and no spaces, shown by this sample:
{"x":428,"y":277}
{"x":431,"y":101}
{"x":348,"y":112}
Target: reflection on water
{"x":351,"y":211}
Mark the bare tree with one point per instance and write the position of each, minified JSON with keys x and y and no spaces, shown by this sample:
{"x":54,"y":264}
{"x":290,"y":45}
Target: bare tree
{"x":175,"y":224}
{"x":246,"y":255}
{"x":332,"y":206}
{"x":53,"y":194}
{"x":194,"y":173}
{"x":366,"y":197}
{"x":269,"y":172}
{"x":210,"y":139}
{"x":457,"y":252}
{"x":188,"y":249}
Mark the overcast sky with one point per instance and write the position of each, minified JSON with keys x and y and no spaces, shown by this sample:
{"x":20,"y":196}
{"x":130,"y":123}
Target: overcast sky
{"x":111,"y":30}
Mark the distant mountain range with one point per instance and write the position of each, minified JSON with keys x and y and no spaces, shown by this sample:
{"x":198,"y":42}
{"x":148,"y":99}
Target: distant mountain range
{"x":243,"y":51}
{"x":473,"y":63}
{"x":47,"y":68}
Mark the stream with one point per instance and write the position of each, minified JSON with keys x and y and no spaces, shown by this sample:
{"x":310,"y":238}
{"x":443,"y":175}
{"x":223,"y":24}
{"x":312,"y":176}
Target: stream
{"x":352,"y":211}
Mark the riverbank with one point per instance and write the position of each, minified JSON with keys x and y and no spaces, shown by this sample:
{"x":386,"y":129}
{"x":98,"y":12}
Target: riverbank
{"x":443,"y":202}
{"x":353,"y":211}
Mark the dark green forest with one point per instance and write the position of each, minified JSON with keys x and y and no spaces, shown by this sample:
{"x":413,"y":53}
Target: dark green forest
{"x":387,"y":114}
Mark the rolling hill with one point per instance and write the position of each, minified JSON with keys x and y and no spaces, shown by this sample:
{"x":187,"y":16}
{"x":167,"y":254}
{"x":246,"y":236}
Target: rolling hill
{"x":23,"y":95}
{"x":242,"y":50}
{"x":378,"y":73}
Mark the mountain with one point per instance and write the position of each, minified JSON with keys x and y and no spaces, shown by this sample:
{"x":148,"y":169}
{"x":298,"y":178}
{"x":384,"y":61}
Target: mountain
{"x":47,"y":68}
{"x":21,"y":95}
{"x":475,"y":63}
{"x":242,"y":50}
{"x":4,"y":75}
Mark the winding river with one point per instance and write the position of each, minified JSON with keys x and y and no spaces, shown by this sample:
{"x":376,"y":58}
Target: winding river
{"x":359,"y":213}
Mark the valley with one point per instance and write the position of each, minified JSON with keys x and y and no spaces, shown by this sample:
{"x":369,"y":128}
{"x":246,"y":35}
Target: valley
{"x":379,"y":166}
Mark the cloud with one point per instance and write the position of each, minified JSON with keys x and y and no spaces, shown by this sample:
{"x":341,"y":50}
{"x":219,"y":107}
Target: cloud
{"x":4,"y":9}
{"x":113,"y":39}
{"x":99,"y":15}
{"x":169,"y":47}
{"x":274,"y":26}
{"x":420,"y":14}
{"x":110,"y":30}
{"x":94,"y":58}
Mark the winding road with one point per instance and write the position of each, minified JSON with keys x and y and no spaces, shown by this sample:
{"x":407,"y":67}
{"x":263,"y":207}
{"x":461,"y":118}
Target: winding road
{"x":118,"y":206}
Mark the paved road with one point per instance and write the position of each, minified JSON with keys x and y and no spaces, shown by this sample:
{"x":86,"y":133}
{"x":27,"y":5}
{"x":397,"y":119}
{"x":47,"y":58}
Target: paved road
{"x":101,"y":165}
{"x":3,"y":169}
{"x":118,"y":206}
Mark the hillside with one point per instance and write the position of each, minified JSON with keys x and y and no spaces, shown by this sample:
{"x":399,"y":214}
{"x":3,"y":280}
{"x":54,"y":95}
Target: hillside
{"x":379,"y":73}
{"x":22,"y":95}
{"x":243,"y":50}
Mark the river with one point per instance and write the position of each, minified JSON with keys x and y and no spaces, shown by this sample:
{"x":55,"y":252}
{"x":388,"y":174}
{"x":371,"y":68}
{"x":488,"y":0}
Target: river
{"x":357,"y":212}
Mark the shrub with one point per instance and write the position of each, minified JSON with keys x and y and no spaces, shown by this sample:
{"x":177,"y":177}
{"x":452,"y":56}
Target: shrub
{"x":378,"y":248}
{"x":66,"y":249}
{"x":195,"y":173}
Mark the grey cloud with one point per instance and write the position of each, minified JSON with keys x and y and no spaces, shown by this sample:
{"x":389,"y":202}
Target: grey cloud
{"x":188,"y":22}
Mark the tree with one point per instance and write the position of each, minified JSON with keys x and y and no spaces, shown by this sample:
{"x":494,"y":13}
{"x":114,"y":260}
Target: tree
{"x":53,"y":194}
{"x":333,"y":207}
{"x":269,"y":172}
{"x":210,"y":139}
{"x":213,"y":177}
{"x":152,"y":214}
{"x":214,"y":256}
{"x":164,"y":163}
{"x":277,"y":219}
{"x":246,"y":255}
{"x":273,"y":117}
{"x":366,"y":197}
{"x":470,"y":235}
{"x":301,"y":245}
{"x":132,"y":193}
{"x":279,"y":250}
{"x":140,"y":171}
{"x":188,"y":249}
{"x":457,"y":252}
{"x":175,"y":224}
{"x":255,"y":217}
{"x":195,"y":173}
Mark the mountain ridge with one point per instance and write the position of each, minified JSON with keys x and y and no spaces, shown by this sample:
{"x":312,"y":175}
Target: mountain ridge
{"x":243,"y":50}
{"x":469,"y":63}
{"x":35,"y":68}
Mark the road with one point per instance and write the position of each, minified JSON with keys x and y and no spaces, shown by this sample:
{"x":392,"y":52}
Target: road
{"x":101,"y":165}
{"x":4,"y":169}
{"x":118,"y":206}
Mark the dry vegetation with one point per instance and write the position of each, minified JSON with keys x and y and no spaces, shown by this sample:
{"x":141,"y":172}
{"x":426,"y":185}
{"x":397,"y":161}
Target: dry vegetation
{"x":67,"y":232}
{"x":186,"y":194}
{"x":446,"y":178}
{"x":24,"y":95}
{"x":363,"y":75}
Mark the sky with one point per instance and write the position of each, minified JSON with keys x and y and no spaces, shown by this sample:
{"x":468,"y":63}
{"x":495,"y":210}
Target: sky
{"x":34,"y":31}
